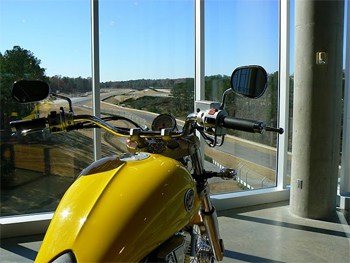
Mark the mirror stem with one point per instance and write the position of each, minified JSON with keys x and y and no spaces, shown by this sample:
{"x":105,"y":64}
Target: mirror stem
{"x":228,"y":91}
{"x":65,"y":98}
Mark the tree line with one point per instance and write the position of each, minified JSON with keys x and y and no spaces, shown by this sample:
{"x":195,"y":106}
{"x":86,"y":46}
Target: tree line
{"x":20,"y":63}
{"x":79,"y":85}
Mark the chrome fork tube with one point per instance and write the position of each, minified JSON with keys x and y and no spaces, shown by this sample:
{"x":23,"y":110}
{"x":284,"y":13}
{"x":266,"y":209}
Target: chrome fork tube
{"x":210,"y":220}
{"x":197,"y":161}
{"x":208,"y":212}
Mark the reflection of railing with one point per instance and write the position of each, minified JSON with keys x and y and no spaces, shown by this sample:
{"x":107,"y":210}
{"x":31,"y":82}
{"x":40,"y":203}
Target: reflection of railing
{"x":249,"y":178}
{"x":123,"y":113}
{"x":126,"y":114}
{"x":48,"y":160}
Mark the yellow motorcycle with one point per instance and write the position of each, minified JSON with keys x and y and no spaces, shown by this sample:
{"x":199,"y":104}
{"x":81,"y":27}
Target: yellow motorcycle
{"x":151,"y":204}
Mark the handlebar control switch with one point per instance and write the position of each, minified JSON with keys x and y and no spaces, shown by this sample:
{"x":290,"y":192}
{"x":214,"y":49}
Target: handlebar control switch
{"x":210,"y":120}
{"x":60,"y":122}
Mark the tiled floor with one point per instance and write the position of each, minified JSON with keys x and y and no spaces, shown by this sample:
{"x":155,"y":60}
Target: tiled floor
{"x":269,"y":233}
{"x":266,"y":233}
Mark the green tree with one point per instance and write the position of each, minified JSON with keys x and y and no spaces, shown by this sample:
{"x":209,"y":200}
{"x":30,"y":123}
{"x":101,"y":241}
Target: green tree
{"x":16,"y":64}
{"x":215,"y":86}
{"x":183,"y":94}
{"x":273,"y":97}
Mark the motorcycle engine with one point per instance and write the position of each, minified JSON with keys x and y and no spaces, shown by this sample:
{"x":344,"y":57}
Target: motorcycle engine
{"x":175,"y":248}
{"x":180,"y":248}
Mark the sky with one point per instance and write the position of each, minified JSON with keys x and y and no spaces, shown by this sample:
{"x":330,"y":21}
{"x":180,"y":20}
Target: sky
{"x":142,"y":38}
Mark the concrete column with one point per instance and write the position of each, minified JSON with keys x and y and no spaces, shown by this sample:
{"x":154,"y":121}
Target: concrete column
{"x":317,"y":107}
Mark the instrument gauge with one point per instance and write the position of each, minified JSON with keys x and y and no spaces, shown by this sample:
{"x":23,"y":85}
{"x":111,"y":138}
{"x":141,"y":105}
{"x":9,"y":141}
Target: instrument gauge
{"x":164,"y":121}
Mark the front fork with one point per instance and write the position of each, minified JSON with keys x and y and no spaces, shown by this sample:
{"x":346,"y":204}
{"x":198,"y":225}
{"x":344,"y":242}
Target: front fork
{"x":208,"y":212}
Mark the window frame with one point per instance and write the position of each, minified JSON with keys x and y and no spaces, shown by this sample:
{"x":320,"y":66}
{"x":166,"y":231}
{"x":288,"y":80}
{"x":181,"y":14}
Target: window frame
{"x":281,"y":191}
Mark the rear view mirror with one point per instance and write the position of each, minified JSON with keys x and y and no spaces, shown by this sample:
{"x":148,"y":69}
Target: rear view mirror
{"x":249,"y":81}
{"x":25,"y":91}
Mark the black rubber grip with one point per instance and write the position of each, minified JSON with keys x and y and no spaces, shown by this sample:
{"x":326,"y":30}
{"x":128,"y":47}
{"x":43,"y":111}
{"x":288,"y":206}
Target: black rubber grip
{"x":243,"y":124}
{"x":35,"y":124}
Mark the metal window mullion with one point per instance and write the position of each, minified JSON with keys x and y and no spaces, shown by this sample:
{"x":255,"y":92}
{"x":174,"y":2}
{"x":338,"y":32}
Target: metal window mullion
{"x":199,"y":50}
{"x":95,"y":56}
{"x":199,"y":73}
{"x":284,"y":71}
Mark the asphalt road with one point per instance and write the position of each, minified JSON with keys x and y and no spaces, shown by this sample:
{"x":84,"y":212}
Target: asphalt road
{"x":252,"y":154}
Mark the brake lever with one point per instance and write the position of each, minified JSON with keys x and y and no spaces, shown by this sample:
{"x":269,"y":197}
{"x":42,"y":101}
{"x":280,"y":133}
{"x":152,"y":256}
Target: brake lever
{"x":205,"y":137}
{"x":225,"y":174}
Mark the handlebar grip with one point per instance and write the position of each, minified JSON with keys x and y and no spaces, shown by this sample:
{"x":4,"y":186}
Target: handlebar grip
{"x":34,"y":124}
{"x":243,"y":124}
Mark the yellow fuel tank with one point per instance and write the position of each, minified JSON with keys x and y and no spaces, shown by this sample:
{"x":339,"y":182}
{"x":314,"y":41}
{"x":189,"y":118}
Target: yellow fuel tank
{"x":120,"y":209}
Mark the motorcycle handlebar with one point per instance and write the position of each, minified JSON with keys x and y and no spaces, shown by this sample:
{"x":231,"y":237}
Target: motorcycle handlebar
{"x":122,"y":132}
{"x":226,"y":121}
{"x":34,"y":124}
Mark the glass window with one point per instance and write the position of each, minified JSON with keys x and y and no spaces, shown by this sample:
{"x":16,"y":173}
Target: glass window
{"x":47,"y":40}
{"x":239,"y":33}
{"x":147,"y":64}
{"x":147,"y":61}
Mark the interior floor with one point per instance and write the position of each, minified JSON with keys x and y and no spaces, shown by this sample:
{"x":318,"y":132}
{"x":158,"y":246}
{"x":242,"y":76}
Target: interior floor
{"x":264,"y":233}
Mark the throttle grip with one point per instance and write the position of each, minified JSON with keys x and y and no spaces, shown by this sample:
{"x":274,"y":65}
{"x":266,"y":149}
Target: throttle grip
{"x":243,"y":124}
{"x":34,"y":124}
